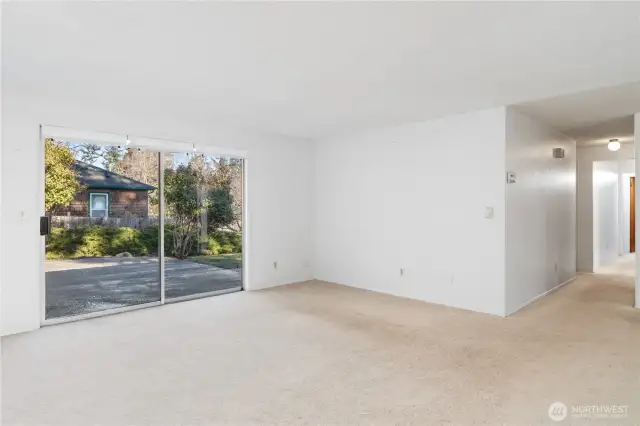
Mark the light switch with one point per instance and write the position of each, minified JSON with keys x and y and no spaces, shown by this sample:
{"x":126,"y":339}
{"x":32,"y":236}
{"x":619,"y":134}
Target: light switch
{"x":488,"y":212}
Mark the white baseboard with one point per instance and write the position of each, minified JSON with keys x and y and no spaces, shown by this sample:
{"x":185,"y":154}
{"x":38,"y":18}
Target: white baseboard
{"x":546,"y":293}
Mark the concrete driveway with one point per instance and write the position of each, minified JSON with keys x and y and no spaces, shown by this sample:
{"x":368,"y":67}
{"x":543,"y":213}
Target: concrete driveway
{"x":82,"y":286}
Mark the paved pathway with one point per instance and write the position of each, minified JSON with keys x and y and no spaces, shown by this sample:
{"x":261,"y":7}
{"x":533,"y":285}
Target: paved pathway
{"x":88,"y":285}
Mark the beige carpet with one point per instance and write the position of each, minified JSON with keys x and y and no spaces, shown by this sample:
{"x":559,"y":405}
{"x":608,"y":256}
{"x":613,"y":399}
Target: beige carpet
{"x":324,"y":354}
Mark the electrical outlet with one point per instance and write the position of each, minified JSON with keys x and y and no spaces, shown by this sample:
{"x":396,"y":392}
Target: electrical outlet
{"x":401,"y":271}
{"x":275,"y":265}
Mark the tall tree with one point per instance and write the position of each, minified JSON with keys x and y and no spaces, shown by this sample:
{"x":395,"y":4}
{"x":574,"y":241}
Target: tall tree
{"x":111,"y":157}
{"x":202,"y":166}
{"x":228,"y":176}
{"x":60,"y":183}
{"x":220,"y":212}
{"x":236,"y":178}
{"x":184,"y":207}
{"x":142,"y":166}
{"x":221,"y":179}
{"x":139,"y":165}
{"x":89,"y":152}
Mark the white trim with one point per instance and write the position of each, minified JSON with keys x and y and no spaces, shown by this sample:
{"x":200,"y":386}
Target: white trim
{"x":166,"y":145}
{"x":82,"y":136}
{"x":97,"y":314}
{"x":43,"y":243}
{"x":106,"y":209}
{"x":156,"y":144}
{"x":540,"y":296}
{"x":202,"y":295}
{"x":245,"y":226}
{"x":162,"y":260}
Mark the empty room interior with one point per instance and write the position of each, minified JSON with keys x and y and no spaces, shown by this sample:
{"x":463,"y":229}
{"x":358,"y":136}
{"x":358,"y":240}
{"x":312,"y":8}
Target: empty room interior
{"x":332,"y":213}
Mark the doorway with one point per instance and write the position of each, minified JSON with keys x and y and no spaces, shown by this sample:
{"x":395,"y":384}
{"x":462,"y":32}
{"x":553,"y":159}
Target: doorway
{"x":127,"y":227}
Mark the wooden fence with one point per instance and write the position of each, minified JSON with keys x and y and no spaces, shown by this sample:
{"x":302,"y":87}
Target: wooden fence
{"x":73,"y":222}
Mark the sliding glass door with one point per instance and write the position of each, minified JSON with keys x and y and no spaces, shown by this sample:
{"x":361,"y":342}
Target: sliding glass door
{"x":101,"y":251}
{"x":203,"y":224}
{"x":128,"y":227}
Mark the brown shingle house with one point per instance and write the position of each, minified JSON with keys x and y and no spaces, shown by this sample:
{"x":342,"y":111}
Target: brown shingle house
{"x":107,"y":194}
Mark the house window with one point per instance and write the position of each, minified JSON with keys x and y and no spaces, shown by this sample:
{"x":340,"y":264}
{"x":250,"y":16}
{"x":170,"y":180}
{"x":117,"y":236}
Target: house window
{"x":98,"y":204}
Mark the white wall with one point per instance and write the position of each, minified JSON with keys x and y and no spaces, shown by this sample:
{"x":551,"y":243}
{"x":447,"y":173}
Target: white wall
{"x":540,"y":210}
{"x":280,"y":186}
{"x":606,"y":232}
{"x":413,"y":197}
{"x":586,"y":157}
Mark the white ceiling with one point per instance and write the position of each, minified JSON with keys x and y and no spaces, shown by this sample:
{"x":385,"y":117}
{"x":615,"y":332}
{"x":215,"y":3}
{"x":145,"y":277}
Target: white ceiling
{"x":592,"y":117}
{"x":600,"y":134}
{"x":315,"y":69}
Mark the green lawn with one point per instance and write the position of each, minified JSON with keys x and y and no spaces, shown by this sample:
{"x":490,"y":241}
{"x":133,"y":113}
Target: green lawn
{"x":227,"y":261}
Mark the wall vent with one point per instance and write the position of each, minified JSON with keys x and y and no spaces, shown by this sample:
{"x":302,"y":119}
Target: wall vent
{"x":558,"y":152}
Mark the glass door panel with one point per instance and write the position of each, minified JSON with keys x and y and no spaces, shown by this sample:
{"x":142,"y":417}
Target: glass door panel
{"x":103,"y":241}
{"x":203,"y":198}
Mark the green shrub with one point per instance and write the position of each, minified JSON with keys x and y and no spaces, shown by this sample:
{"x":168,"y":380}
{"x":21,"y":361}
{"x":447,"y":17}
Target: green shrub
{"x":226,"y":249}
{"x":94,"y":242}
{"x":97,"y":241}
{"x":54,"y":255}
{"x":230,"y":242}
{"x":213,"y":247}
{"x":149,"y":237}
{"x":127,"y":239}
{"x":62,"y":241}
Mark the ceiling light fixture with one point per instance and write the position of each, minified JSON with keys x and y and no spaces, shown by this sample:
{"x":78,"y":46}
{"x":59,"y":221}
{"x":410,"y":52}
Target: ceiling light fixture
{"x":613,"y":145}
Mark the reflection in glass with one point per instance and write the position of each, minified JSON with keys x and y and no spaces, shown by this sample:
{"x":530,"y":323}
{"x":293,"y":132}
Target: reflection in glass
{"x":203,"y":224}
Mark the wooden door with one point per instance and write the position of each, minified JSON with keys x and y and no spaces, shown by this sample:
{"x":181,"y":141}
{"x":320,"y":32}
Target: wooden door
{"x":632,"y":198}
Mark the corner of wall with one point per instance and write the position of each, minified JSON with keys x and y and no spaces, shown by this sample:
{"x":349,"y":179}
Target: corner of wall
{"x":467,"y":152}
{"x":531,"y":269}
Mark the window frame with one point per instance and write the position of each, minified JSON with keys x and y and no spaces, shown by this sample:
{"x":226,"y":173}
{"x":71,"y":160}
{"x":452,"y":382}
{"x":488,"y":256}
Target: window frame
{"x":106,"y":207}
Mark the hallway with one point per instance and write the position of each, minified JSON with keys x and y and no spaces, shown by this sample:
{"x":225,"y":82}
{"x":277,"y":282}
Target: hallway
{"x":624,"y":265}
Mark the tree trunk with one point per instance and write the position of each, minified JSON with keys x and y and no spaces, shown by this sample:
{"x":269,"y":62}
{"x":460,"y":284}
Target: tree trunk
{"x":203,"y":240}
